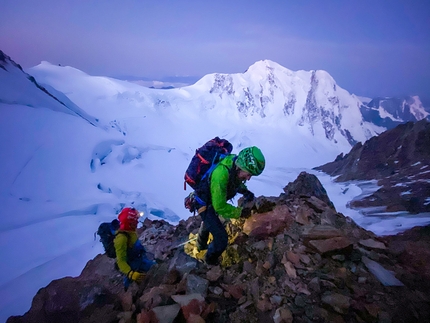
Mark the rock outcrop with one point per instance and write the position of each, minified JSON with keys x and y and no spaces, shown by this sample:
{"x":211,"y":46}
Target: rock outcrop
{"x":399,"y":160}
{"x":295,"y":259}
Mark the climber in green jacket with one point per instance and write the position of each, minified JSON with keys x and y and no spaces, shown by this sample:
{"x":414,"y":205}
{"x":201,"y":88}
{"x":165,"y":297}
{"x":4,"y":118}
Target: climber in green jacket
{"x":227,"y":179}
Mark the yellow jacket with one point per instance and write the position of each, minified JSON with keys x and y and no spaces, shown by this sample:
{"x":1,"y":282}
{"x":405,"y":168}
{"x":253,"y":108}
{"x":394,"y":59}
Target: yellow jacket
{"x":124,"y":240}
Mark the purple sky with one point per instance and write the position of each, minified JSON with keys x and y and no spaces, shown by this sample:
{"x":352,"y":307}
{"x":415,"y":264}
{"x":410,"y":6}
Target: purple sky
{"x":371,"y":48}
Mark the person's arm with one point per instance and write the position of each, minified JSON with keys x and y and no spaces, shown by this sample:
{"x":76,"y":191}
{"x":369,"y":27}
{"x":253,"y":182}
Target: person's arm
{"x":247,"y":194}
{"x":219,"y":182}
{"x":121,"y":245}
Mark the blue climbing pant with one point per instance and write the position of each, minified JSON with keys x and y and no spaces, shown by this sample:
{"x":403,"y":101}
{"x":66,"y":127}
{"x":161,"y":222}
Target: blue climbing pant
{"x":212,"y":224}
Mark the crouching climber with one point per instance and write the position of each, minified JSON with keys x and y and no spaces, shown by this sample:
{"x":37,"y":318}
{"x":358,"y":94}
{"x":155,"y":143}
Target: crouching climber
{"x":227,"y":179}
{"x":131,"y":257}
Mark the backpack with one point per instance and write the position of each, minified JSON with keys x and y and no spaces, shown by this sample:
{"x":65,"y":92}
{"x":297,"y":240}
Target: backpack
{"x":205,"y":159}
{"x":201,"y":166}
{"x":107,"y":233}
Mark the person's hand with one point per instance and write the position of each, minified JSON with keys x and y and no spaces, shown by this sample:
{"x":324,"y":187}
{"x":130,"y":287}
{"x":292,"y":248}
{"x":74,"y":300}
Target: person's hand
{"x":246,"y":213}
{"x":248,"y":196}
{"x":136,"y":276}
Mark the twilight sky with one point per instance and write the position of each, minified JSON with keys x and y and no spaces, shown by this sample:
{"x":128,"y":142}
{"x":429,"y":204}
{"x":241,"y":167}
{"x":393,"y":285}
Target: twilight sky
{"x":371,"y":48}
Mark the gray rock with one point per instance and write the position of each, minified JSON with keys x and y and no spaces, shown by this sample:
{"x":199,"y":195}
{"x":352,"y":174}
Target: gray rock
{"x":167,"y":313}
{"x":340,"y":303}
{"x":385,"y":276}
{"x":196,"y":284}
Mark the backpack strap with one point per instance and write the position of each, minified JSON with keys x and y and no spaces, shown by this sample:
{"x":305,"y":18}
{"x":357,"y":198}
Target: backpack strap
{"x":202,"y":205}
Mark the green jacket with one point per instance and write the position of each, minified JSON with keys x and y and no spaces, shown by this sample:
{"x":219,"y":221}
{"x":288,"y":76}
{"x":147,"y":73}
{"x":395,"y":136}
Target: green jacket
{"x":122,"y":243}
{"x":224,"y":185}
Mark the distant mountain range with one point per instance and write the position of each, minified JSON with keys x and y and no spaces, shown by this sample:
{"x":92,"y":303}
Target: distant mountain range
{"x":168,"y":82}
{"x":386,"y":112}
{"x":390,"y":112}
{"x":273,"y":94}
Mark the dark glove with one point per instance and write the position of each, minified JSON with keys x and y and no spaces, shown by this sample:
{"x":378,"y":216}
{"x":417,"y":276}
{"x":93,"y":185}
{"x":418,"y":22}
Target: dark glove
{"x":246,"y":213}
{"x":248,"y":196}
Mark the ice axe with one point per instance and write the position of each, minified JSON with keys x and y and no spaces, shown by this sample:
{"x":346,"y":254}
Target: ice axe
{"x":183,"y":243}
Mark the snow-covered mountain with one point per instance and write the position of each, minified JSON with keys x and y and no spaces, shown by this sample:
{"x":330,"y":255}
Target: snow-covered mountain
{"x":266,"y":94}
{"x":18,"y":87}
{"x":390,"y":112}
{"x":308,"y":99}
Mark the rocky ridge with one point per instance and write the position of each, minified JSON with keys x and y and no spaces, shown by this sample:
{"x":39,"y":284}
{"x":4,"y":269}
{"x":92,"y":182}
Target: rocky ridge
{"x":399,"y":160}
{"x":295,"y":259}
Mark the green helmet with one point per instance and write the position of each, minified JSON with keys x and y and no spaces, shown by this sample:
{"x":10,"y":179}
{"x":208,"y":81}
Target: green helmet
{"x":251,"y":160}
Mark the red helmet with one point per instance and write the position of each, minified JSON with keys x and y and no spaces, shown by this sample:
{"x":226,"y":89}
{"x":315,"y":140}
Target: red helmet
{"x":128,"y":218}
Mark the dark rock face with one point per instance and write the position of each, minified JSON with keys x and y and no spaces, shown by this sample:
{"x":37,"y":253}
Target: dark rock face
{"x":308,"y":185}
{"x":295,"y":259}
{"x":412,"y":251}
{"x":5,"y":60}
{"x":399,"y":159}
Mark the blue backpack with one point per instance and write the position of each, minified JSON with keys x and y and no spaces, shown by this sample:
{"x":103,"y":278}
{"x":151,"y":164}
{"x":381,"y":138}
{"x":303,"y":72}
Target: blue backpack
{"x":107,"y":232}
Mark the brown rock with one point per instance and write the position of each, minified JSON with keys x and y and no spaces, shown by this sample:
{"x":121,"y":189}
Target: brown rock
{"x":195,"y":306}
{"x":214,"y":273}
{"x":194,"y":318}
{"x":126,"y":301}
{"x":157,"y":296}
{"x":248,"y":267}
{"x":291,"y":271}
{"x":210,"y":308}
{"x":370,"y":243}
{"x":327,"y":245}
{"x":301,"y":288}
{"x":305,"y":259}
{"x":322,"y":232}
{"x":314,"y":284}
{"x":340,"y":303}
{"x":264,"y":305}
{"x":303,"y":215}
{"x":144,"y":317}
{"x":235,"y":290}
{"x":267,"y":265}
{"x":283,"y":315}
{"x":125,"y":317}
{"x":268,"y":224}
{"x":293,"y":257}
{"x":372,"y":309}
{"x":317,"y":204}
